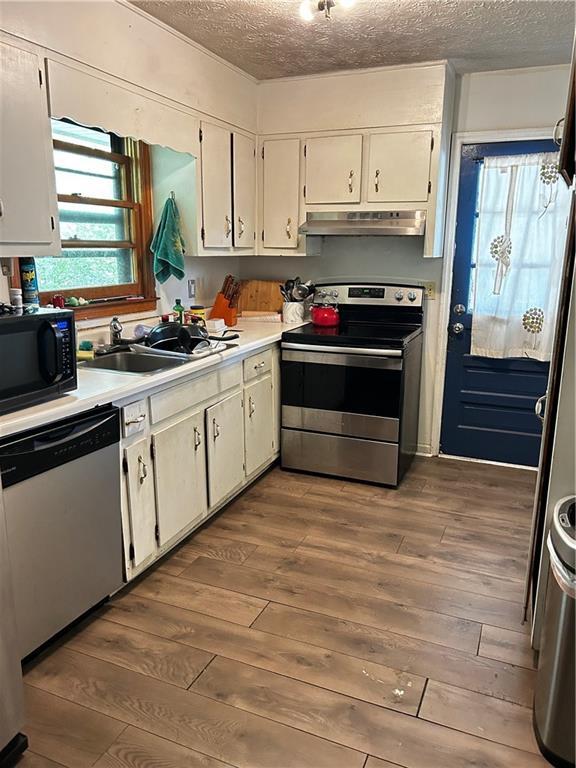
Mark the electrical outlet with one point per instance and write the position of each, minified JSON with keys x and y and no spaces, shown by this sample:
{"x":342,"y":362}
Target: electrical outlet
{"x":191,"y":289}
{"x":430,"y":290}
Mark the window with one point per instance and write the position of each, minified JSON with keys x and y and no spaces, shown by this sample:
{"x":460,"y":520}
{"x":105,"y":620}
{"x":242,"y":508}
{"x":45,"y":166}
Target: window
{"x":105,"y":217}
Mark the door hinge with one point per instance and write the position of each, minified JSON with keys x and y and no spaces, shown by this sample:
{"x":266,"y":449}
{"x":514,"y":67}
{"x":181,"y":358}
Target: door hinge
{"x":40,"y":78}
{"x":52,"y":223}
{"x":131,"y":555}
{"x":262,"y":235}
{"x":431,"y":143}
{"x":429,"y":187}
{"x":203,"y":234}
{"x":304,"y":190}
{"x":262,"y":153}
{"x":152,"y":451}
{"x":304,"y":150}
{"x":125,"y":465}
{"x":157,"y":533}
{"x":200,"y":134}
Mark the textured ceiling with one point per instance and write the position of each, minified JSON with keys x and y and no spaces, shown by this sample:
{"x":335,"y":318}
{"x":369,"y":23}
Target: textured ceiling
{"x":267,"y":38}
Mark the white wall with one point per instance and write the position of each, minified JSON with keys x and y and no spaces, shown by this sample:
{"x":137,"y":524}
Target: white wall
{"x":511,"y":99}
{"x":176,"y":172}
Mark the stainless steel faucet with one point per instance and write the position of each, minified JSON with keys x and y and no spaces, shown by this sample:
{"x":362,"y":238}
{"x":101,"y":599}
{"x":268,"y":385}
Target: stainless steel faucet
{"x":115,"y":331}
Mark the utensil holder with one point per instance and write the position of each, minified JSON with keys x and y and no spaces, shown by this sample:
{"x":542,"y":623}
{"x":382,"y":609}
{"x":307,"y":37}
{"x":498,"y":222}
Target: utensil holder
{"x":223,"y":310}
{"x":293,"y":312}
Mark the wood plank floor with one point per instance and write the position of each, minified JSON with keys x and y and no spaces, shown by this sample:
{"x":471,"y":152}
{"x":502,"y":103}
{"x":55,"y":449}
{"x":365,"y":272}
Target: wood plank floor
{"x":314,"y":622}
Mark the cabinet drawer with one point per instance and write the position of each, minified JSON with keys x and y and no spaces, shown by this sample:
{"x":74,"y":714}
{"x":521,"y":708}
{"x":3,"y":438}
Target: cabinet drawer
{"x":173,"y":400}
{"x":257,"y":365}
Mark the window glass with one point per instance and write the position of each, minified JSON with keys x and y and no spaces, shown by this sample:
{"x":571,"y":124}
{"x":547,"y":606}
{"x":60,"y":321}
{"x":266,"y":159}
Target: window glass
{"x":93,"y":222}
{"x":62,"y":130}
{"x":87,"y":176}
{"x":85,"y":268}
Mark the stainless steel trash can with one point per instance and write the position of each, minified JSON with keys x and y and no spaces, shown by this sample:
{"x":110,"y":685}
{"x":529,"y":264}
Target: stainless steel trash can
{"x":555,"y":689}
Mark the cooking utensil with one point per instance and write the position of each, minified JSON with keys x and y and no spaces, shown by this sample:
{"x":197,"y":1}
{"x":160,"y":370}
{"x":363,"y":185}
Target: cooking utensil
{"x":325,"y":315}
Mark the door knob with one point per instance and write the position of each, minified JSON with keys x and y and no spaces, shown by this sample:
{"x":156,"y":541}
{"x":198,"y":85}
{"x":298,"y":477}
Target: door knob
{"x":457,"y":328}
{"x":459,"y":309}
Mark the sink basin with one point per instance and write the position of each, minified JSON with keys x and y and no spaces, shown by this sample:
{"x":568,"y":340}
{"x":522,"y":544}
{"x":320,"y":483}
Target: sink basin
{"x":132,"y":362}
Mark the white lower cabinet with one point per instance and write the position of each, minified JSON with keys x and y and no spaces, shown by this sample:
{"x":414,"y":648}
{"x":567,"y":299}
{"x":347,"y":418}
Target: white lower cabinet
{"x":180,"y":475}
{"x":258,"y":423}
{"x":137,"y":466}
{"x":225,"y":447}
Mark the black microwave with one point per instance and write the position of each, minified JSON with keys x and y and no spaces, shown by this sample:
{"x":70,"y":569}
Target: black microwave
{"x":37,"y":356}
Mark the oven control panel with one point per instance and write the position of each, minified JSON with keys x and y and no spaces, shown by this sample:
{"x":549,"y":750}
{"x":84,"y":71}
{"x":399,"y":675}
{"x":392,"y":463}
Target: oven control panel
{"x":376,"y":294}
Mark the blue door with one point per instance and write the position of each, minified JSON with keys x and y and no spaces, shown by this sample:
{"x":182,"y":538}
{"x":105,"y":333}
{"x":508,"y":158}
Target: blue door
{"x":488,"y":410}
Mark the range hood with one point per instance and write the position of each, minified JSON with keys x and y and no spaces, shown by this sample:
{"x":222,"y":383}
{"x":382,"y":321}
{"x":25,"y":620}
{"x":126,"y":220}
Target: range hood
{"x":364,"y":223}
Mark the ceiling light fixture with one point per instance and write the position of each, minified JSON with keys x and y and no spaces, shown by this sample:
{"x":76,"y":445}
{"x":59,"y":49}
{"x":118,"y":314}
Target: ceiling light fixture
{"x":308,"y":7}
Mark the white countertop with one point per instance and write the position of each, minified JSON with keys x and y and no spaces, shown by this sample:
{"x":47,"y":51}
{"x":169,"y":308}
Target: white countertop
{"x":100,"y":387}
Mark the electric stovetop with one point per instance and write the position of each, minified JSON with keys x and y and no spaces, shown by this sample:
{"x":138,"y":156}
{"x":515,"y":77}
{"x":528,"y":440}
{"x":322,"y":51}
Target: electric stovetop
{"x":355,"y":334}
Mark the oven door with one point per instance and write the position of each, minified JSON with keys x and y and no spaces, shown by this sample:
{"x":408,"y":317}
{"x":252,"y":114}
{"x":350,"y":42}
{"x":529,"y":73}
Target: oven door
{"x":349,"y":391}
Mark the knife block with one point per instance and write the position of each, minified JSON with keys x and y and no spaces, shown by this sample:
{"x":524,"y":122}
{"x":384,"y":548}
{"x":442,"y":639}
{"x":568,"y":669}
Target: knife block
{"x":223,"y":310}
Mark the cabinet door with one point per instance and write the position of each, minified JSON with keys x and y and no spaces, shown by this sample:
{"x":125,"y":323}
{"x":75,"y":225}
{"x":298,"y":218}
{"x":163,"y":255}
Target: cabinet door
{"x":141,"y":501}
{"x":399,"y":167}
{"x":216,"y":186}
{"x":333,"y":169}
{"x":281,"y":193}
{"x":258,"y":423}
{"x":179,"y":475}
{"x":27,"y":185}
{"x":244,"y":169}
{"x":225,"y":436}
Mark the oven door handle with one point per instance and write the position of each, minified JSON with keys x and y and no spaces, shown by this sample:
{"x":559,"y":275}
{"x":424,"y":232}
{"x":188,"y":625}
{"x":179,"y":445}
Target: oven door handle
{"x":365,"y":351}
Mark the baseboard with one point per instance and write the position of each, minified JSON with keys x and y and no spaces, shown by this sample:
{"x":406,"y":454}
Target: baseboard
{"x":486,"y":461}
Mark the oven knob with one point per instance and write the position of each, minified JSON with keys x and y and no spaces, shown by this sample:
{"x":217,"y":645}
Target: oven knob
{"x":398,"y":295}
{"x":411,"y":296}
{"x":334,"y":294}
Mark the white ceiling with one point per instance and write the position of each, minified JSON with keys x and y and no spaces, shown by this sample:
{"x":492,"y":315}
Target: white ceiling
{"x":267,"y":38}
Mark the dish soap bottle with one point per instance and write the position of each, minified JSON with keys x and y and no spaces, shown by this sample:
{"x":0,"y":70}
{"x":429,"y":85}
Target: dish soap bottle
{"x":178,"y":309}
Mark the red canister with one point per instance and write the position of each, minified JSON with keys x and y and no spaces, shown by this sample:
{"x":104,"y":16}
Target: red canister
{"x":325,"y":315}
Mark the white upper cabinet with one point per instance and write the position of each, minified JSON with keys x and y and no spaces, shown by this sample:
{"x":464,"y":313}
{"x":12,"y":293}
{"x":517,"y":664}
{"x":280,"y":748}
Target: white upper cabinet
{"x":28,"y":210}
{"x":333,"y":169}
{"x":281,"y":193}
{"x":399,"y":167}
{"x":180,"y":475}
{"x":244,"y":190}
{"x":216,"y":186}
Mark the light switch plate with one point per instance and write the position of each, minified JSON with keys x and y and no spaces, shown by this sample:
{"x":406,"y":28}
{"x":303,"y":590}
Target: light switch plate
{"x":191,"y":289}
{"x":430,"y":290}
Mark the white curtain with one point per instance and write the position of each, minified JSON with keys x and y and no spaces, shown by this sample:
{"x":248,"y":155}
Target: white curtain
{"x":518,"y":252}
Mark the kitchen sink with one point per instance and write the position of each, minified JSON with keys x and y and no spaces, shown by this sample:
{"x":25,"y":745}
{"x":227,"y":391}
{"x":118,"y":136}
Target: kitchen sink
{"x":132,"y":362}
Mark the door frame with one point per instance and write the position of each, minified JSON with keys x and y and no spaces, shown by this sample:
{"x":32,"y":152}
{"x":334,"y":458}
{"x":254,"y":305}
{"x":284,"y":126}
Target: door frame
{"x":458,"y":141}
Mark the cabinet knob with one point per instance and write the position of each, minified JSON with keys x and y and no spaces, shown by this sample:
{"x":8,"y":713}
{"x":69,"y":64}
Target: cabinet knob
{"x":240,"y":227}
{"x":350,"y":179}
{"x":228,"y":227}
{"x":377,"y":180}
{"x":289,"y":228}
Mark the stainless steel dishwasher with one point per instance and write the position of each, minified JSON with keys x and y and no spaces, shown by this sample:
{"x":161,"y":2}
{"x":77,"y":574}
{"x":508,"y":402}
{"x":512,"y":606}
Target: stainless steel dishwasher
{"x":62,"y":503}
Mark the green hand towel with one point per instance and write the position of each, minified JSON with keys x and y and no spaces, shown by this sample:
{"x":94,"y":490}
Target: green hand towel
{"x":168,"y":244}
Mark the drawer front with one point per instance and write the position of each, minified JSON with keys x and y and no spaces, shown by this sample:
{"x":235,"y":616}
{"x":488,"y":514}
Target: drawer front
{"x":134,"y":418}
{"x":257,"y":365}
{"x":176,"y":399}
{"x":369,"y":460}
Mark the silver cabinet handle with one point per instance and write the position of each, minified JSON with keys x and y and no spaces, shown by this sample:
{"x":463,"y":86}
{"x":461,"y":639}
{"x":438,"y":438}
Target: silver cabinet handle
{"x":138,"y":420}
{"x":377,"y":180}
{"x":538,"y":408}
{"x":289,"y":228}
{"x":259,"y":365}
{"x":240,"y":227}
{"x":142,"y":470}
{"x":350,"y":184}
{"x":251,"y":407}
{"x":215,"y":429}
{"x":555,"y":137}
{"x":197,"y":438}
{"x":228,"y":227}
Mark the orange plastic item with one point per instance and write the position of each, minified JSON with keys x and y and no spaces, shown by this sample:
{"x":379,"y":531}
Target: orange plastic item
{"x":223,"y":310}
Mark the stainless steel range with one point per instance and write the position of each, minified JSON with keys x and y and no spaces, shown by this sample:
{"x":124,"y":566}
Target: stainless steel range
{"x":350,"y":394}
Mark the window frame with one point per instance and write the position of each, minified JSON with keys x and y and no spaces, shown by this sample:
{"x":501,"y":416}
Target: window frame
{"x":134,"y":156}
